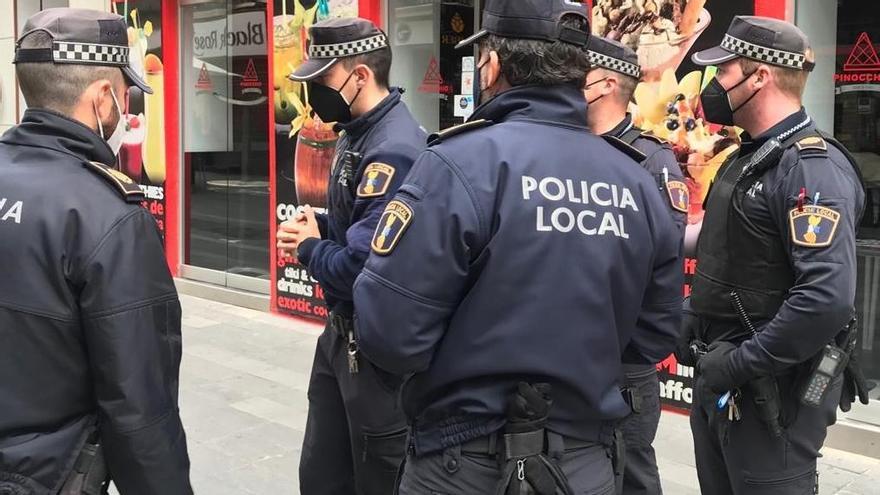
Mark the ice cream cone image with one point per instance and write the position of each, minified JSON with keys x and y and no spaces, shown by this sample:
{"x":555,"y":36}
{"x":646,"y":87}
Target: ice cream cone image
{"x":154,"y":106}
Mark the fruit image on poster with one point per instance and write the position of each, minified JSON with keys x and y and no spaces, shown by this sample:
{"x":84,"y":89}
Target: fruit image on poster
{"x":142,"y":155}
{"x":664,"y":34}
{"x":304,"y":146}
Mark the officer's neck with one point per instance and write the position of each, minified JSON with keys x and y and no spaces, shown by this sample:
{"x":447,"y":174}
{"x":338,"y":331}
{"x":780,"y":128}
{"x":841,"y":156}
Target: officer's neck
{"x":603,"y":116}
{"x":764,"y":113}
{"x":370,"y":98}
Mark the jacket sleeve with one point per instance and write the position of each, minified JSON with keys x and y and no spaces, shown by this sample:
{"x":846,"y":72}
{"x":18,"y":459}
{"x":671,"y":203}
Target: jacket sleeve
{"x":335,"y":265}
{"x":321,"y":218}
{"x":131,"y":318}
{"x":659,"y":322}
{"x":419,"y":269}
{"x":820,"y":303}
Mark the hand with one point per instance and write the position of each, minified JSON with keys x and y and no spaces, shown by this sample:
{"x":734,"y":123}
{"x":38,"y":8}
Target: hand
{"x":715,"y":369}
{"x":854,"y":384}
{"x":690,"y":323}
{"x":292,"y":232}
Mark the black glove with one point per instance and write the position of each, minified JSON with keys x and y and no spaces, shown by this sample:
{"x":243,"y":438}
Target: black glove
{"x":715,"y":367}
{"x":690,"y":323}
{"x":529,"y":407}
{"x":854,"y":384}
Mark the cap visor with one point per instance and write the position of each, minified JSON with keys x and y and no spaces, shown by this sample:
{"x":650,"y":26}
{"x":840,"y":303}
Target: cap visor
{"x":135,"y":80}
{"x":312,"y":68}
{"x":470,"y":41}
{"x":713,"y":56}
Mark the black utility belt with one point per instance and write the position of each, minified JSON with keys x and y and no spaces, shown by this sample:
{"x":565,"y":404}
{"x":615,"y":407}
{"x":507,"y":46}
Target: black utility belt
{"x":494,"y":444}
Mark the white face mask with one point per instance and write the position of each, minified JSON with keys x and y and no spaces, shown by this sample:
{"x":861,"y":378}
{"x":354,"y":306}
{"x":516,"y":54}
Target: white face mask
{"x":115,"y":139}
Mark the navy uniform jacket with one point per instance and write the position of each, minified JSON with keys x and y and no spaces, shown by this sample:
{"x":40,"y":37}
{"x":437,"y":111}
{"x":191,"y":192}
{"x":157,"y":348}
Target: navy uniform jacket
{"x":373,"y":156}
{"x":525,"y":249}
{"x":89,"y":316}
{"x":820,"y":302}
{"x":660,"y":161}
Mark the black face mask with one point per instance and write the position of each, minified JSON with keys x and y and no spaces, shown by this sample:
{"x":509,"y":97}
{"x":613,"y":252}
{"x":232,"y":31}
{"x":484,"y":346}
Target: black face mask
{"x":716,"y":101}
{"x":329,"y":104}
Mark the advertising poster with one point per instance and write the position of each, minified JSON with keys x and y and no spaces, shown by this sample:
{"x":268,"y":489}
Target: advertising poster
{"x":142,"y":156}
{"x":665,"y":33}
{"x":304,"y":147}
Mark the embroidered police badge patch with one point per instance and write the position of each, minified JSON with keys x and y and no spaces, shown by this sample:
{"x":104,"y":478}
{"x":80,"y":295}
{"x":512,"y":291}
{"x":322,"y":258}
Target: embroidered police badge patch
{"x":376,"y":180}
{"x":813,"y":226}
{"x":679,"y":196}
{"x":394,"y":221}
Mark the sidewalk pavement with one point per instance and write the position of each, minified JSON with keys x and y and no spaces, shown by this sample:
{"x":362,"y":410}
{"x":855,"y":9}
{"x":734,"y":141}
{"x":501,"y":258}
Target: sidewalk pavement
{"x":243,"y":401}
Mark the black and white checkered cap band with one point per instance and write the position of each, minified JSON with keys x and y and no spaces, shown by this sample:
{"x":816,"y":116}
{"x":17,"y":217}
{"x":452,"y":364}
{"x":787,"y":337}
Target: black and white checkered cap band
{"x":89,"y":53}
{"x":615,"y":64}
{"x":349,"y":48}
{"x":762,"y":53}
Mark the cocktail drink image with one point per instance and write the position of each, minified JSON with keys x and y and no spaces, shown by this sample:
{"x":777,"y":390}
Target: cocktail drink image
{"x":315,"y":147}
{"x":131,"y":155}
{"x":154,"y":110}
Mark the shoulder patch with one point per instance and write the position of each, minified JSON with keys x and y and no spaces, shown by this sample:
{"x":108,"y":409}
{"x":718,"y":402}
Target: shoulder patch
{"x":679,"y":196}
{"x":396,"y":218}
{"x":131,"y":192}
{"x":456,"y":130}
{"x":650,"y":136}
{"x":625,"y":148}
{"x":813,"y":226}
{"x":376,"y":180}
{"x":812,"y":143}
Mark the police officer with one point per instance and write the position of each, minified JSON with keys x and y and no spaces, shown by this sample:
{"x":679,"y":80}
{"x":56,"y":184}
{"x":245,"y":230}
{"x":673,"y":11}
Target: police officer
{"x":609,"y":89}
{"x":509,"y":274}
{"x":776,"y":271}
{"x":356,"y":432}
{"x":89,"y":316}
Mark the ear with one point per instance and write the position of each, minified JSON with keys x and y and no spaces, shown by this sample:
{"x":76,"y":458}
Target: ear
{"x":492,"y":69}
{"x":610,"y":85}
{"x":763,"y":76}
{"x":102,"y":99}
{"x":362,"y":75}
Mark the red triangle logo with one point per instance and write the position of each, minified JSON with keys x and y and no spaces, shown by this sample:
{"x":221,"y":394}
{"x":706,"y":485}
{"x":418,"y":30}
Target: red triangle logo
{"x":204,"y":83}
{"x":863,"y":57}
{"x":433,"y":81}
{"x":251,"y":78}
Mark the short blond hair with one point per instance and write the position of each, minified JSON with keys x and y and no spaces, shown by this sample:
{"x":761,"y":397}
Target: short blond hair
{"x":792,"y":82}
{"x":626,"y":85}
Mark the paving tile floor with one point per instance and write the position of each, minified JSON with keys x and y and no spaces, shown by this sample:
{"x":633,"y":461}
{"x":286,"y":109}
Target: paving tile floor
{"x":243,"y":402}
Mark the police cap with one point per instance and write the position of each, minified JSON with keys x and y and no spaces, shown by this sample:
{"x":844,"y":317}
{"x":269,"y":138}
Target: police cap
{"x":767,"y":40}
{"x":80,"y":37}
{"x":532,"y":19}
{"x":614,"y":56}
{"x":334,"y":39}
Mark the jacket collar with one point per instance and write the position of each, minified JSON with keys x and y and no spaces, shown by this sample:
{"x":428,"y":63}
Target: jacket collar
{"x":561,"y":104}
{"x":44,"y":128}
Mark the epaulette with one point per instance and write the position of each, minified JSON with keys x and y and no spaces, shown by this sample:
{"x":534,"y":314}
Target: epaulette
{"x":653,"y":137}
{"x":631,"y":152}
{"x":811,"y":143}
{"x":131,"y":192}
{"x":438,"y":137}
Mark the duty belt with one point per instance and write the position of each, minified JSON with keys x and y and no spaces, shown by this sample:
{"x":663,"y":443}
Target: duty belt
{"x":493,"y":444}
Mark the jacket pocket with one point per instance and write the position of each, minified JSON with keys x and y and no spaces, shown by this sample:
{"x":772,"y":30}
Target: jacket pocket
{"x":797,"y":480}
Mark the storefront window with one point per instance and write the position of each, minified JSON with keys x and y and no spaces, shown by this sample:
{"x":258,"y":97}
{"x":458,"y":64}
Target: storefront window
{"x":844,"y":97}
{"x":225,"y":91}
{"x":437,"y":78}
